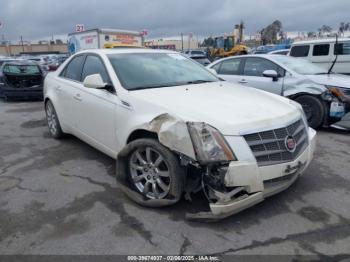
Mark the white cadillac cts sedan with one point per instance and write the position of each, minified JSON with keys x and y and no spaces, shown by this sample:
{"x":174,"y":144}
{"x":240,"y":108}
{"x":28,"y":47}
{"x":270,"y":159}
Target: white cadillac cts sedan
{"x":175,"y":128}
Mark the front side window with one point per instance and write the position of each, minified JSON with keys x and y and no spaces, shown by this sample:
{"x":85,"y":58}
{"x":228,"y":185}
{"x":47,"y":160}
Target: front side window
{"x":156,"y":70}
{"x":321,"y":50}
{"x":230,"y":67}
{"x":257,"y":66}
{"x":343,"y":49}
{"x":300,"y":51}
{"x":94,"y":65}
{"x":73,"y":69}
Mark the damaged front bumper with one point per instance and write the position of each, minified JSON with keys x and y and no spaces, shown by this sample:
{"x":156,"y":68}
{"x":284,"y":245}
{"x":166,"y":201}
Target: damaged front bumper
{"x":258,"y":183}
{"x":344,"y":123}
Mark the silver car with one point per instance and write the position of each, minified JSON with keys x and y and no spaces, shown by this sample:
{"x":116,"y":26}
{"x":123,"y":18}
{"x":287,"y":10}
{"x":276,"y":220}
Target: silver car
{"x":325,"y":97}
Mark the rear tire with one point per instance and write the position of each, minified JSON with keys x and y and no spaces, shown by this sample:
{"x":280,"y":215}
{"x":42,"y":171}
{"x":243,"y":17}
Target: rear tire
{"x":314,"y":110}
{"x":52,"y":121}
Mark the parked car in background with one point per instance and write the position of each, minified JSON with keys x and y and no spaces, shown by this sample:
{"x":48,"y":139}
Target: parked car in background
{"x":193,"y":53}
{"x":203,"y":60}
{"x":6,"y":59}
{"x":325,"y":97}
{"x":21,"y":79}
{"x":280,"y":52}
{"x":323,"y":52}
{"x":42,"y":61}
{"x":62,"y":58}
{"x":161,"y":115}
{"x":265,"y":49}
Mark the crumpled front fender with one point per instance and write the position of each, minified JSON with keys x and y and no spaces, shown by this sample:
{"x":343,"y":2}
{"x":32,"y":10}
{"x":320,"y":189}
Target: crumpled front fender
{"x":293,"y":87}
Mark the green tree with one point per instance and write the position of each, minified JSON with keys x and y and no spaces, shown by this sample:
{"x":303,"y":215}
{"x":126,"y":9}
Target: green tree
{"x":270,"y":33}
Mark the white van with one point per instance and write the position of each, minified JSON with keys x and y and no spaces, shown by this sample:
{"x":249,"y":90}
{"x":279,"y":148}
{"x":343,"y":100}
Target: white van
{"x":322,"y":52}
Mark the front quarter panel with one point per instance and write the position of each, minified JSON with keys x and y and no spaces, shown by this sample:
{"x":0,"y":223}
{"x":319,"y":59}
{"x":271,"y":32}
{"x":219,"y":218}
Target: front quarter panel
{"x":294,"y":85}
{"x":171,"y":130}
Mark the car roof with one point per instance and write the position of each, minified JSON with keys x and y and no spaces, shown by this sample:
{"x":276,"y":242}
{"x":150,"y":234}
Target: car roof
{"x":266,"y":56}
{"x":111,"y":51}
{"x":319,"y":41}
{"x":21,"y":62}
{"x":250,"y":55}
{"x":279,"y":50}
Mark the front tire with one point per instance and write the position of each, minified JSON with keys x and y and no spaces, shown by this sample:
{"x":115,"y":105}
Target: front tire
{"x":314,"y":110}
{"x":52,"y":121}
{"x":154,"y":171}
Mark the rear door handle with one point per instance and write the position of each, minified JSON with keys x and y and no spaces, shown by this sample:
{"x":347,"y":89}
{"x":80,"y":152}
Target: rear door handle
{"x":243,"y":81}
{"x":77,"y":97}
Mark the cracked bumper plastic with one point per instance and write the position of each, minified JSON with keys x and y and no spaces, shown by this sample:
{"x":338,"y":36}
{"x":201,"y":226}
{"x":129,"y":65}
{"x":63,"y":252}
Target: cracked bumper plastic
{"x":259,"y":181}
{"x":344,"y":123}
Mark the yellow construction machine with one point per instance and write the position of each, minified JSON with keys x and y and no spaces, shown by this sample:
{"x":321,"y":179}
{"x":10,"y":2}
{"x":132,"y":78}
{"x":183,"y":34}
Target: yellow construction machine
{"x":224,"y":46}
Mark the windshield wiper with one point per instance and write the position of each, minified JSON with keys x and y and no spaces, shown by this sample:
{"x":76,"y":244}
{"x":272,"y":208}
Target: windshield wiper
{"x":324,"y":73}
{"x":151,"y":86}
{"x":199,"y":81}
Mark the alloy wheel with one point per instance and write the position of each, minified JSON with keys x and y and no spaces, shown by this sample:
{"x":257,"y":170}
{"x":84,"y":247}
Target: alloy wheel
{"x":51,"y":119}
{"x":150,"y":173}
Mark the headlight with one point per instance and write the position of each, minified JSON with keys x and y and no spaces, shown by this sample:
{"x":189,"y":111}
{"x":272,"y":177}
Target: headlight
{"x":300,"y":108}
{"x":209,"y":144}
{"x":340,"y":92}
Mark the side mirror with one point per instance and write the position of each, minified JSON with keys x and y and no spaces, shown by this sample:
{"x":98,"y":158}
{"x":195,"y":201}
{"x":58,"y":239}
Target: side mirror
{"x":213,"y":71}
{"x":271,"y":73}
{"x":94,"y":81}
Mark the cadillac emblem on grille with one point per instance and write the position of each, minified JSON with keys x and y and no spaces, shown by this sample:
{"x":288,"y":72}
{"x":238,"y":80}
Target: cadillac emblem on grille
{"x":290,"y":144}
{"x":281,"y":145}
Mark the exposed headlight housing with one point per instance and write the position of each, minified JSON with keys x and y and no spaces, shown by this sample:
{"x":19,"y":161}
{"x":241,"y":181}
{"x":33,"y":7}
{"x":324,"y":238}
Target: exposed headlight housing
{"x":209,"y":144}
{"x":341,"y":93}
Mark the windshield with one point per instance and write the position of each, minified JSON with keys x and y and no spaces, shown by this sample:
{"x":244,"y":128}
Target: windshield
{"x":151,"y":70}
{"x":300,"y":65}
{"x":22,"y":69}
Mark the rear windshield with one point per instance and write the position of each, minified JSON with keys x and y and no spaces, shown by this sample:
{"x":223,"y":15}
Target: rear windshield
{"x":22,"y":69}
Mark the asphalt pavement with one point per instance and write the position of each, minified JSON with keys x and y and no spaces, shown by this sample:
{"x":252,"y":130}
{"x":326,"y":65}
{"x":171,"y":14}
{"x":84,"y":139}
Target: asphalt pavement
{"x":61,"y":197}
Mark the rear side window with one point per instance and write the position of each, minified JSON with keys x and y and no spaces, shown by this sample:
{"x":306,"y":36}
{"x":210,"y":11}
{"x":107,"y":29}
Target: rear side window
{"x":74,"y":68}
{"x":230,"y":67}
{"x":343,"y":49}
{"x":94,"y":65}
{"x":300,"y":51}
{"x":321,"y":50}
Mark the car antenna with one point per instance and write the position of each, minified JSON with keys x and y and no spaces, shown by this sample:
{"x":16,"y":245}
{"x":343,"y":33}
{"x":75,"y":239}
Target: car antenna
{"x":336,"y":47}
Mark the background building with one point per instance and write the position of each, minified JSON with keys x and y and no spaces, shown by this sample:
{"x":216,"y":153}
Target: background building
{"x":16,"y":49}
{"x":173,"y":43}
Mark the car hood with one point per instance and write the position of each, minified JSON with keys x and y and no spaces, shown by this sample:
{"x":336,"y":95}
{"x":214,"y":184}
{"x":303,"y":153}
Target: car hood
{"x":331,"y":80}
{"x":231,"y":108}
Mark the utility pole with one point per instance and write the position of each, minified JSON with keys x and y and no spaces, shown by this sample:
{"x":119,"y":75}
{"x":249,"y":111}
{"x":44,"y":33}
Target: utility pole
{"x":182,"y":42}
{"x":22,"y":44}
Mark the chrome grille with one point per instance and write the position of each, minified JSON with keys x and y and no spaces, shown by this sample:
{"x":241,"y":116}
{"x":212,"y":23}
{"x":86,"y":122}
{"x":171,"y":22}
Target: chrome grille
{"x":269,"y":147}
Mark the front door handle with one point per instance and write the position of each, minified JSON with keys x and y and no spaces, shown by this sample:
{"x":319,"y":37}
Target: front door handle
{"x":243,"y":81}
{"x":77,"y":97}
{"x":58,"y":89}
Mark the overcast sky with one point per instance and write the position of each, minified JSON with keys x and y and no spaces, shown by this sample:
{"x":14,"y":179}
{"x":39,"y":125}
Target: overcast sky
{"x":39,"y":18}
